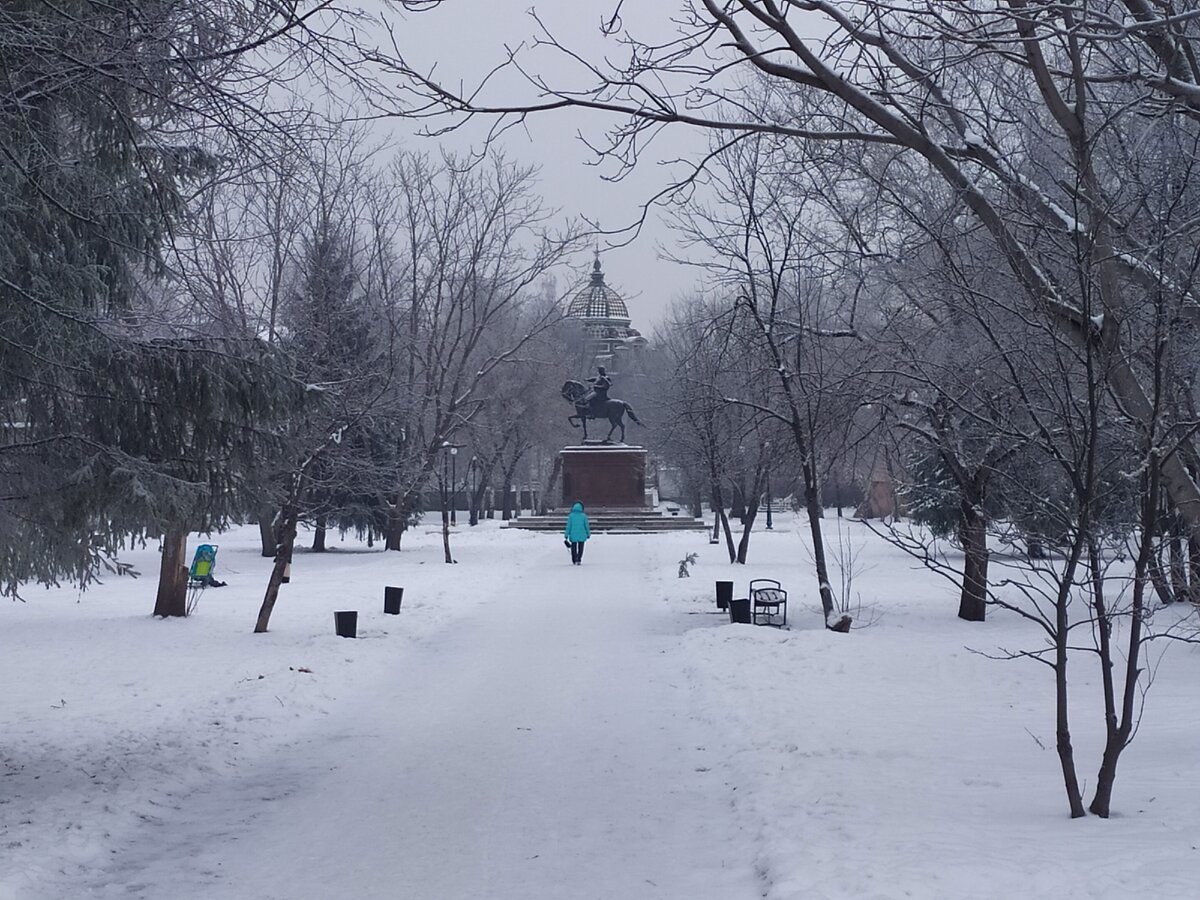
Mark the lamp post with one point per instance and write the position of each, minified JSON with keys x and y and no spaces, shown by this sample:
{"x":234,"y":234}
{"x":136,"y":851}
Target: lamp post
{"x":445,"y":479}
{"x":533,"y":487}
{"x":768,"y":490}
{"x":474,"y":507}
{"x":739,"y":492}
{"x":767,"y":448}
{"x":449,"y":450}
{"x":453,"y":484}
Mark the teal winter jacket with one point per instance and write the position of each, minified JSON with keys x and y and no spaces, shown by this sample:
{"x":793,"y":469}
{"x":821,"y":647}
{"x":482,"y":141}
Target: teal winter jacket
{"x":577,"y":529}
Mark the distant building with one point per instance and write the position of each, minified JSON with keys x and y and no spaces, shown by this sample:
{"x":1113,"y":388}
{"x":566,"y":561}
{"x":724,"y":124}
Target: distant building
{"x":605,"y":318}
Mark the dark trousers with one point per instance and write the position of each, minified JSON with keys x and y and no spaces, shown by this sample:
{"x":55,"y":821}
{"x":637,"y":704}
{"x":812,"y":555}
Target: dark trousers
{"x":576,"y":551}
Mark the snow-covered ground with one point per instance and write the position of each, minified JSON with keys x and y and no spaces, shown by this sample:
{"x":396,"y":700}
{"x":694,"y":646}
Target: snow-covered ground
{"x":527,"y":729}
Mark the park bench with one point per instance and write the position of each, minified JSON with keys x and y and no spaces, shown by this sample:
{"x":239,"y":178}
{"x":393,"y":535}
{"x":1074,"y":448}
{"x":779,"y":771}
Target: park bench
{"x":768,"y":602}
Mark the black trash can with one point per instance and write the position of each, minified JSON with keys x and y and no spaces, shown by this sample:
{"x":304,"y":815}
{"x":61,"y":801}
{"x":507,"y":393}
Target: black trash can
{"x":391,"y":600}
{"x":724,"y":594}
{"x":346,"y":623}
{"x":739,"y":611}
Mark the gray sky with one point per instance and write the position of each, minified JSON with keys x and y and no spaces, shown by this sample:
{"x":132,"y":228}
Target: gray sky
{"x":465,"y":38}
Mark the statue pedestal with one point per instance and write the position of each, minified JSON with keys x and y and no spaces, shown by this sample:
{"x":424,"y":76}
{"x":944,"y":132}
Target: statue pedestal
{"x":604,"y":476}
{"x":610,"y":481}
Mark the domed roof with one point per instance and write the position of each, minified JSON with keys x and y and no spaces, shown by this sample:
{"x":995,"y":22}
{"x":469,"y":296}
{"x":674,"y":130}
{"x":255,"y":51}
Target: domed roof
{"x":597,"y":300}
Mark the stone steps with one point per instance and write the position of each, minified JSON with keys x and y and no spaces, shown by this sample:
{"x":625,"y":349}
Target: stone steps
{"x":612,"y":522}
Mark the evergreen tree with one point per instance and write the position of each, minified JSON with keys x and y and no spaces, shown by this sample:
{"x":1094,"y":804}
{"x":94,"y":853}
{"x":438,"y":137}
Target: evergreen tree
{"x":335,"y":342}
{"x":112,"y":427}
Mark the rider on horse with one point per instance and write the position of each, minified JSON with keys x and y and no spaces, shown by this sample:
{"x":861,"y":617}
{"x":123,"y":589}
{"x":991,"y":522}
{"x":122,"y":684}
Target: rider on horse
{"x":596,"y":404}
{"x":598,"y":395}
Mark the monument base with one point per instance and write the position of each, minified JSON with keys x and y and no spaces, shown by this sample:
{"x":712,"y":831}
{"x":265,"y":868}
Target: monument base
{"x":610,"y":481}
{"x":604,"y":476}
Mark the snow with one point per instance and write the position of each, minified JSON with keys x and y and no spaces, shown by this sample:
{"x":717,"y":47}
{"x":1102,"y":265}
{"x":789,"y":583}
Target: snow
{"x":529,"y":729}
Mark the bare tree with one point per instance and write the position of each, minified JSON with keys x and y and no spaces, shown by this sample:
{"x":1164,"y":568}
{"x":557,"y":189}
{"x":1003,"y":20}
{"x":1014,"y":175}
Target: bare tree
{"x":773,"y":238}
{"x":475,"y":241}
{"x":692,"y":408}
{"x":1037,"y":421}
{"x":944,"y":83}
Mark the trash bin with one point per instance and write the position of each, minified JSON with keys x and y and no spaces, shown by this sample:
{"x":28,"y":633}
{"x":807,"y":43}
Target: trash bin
{"x":724,"y":594}
{"x":391,"y":600}
{"x":346,"y":623}
{"x":739,"y":611}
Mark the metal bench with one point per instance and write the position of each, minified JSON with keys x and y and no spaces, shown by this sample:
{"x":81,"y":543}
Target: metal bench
{"x":768,"y":602}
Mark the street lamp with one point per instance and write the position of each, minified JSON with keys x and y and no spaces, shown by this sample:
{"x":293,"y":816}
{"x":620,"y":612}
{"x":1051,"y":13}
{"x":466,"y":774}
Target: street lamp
{"x":767,"y":448}
{"x":445,"y":476}
{"x":453,"y":483}
{"x":472,"y":505}
{"x":449,"y":481}
{"x":533,"y":486}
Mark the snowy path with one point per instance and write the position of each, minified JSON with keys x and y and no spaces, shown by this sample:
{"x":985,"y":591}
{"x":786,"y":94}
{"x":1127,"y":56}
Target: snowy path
{"x":542,"y":748}
{"x":527,"y":730}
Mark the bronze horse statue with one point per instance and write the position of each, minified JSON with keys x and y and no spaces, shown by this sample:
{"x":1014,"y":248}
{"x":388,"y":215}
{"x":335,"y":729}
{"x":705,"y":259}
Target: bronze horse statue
{"x":610,"y":408}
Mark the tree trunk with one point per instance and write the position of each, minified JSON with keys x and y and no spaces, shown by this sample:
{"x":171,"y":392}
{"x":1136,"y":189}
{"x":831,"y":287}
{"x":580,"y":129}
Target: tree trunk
{"x":555,"y":472}
{"x":479,"y":497}
{"x":1103,"y":619}
{"x":1066,"y":753}
{"x":1178,"y":560}
{"x":172,"y":576}
{"x":266,"y":532}
{"x":812,"y":504}
{"x":283,"y":559}
{"x":972,"y":604}
{"x":476,"y":504}
{"x":1159,"y":580}
{"x":446,"y":534}
{"x":1120,"y":731}
{"x":506,"y":506}
{"x":1062,"y":727}
{"x":737,"y":506}
{"x":393,"y":532}
{"x":1062,"y":722}
{"x":318,"y":544}
{"x":723,"y":519}
{"x":399,"y":518}
{"x":751,"y":513}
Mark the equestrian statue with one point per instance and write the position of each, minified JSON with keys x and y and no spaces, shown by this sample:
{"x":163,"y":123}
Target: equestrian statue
{"x":594,"y":403}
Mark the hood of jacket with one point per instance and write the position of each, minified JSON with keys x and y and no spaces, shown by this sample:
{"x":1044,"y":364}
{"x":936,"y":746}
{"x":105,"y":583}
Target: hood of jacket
{"x":577,"y":527}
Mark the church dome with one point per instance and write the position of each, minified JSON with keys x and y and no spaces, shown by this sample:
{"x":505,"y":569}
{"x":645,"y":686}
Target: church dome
{"x":596,"y":300}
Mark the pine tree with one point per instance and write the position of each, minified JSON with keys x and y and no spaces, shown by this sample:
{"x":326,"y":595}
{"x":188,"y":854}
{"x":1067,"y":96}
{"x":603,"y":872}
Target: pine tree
{"x":111,"y":429}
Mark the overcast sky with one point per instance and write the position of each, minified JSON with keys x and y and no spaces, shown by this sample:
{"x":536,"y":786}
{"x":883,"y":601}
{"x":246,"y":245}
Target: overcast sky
{"x":465,"y":38}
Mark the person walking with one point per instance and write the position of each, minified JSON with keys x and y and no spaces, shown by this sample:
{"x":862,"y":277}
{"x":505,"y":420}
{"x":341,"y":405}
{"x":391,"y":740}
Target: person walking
{"x":576,"y":531}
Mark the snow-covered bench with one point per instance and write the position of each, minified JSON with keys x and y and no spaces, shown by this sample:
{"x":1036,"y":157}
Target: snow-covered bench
{"x":768,"y":602}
